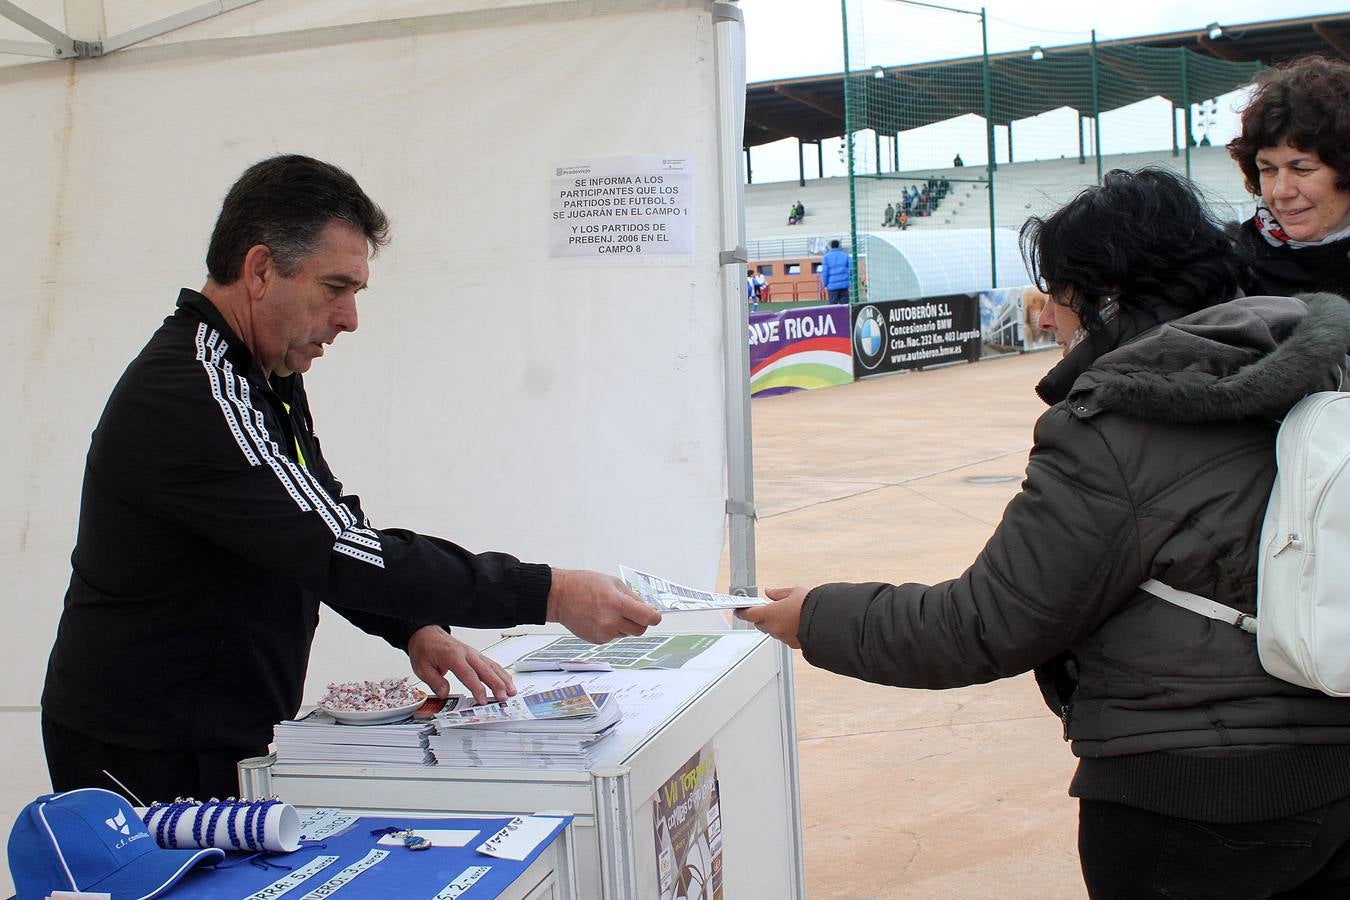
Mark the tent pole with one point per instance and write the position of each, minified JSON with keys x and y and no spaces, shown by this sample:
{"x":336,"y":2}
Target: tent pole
{"x":729,"y":29}
{"x":85,"y":20}
{"x":61,"y":43}
{"x":740,"y":482}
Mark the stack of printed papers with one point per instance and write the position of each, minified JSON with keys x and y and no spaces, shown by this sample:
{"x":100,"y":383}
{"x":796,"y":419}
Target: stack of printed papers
{"x":319,"y":738}
{"x":558,"y":729}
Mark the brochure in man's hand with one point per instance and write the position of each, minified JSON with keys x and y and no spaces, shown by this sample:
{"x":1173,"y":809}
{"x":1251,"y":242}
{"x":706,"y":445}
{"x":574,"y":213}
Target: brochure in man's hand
{"x":668,"y":596}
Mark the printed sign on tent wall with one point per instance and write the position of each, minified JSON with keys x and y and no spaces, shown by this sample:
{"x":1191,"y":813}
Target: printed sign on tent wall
{"x":688,"y":820}
{"x":623,"y":209}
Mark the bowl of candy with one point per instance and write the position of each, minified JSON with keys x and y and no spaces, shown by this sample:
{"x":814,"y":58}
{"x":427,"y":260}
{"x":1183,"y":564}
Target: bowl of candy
{"x":372,"y":702}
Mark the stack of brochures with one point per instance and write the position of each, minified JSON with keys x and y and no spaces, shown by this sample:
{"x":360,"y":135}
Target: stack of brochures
{"x":558,"y":729}
{"x":319,"y":738}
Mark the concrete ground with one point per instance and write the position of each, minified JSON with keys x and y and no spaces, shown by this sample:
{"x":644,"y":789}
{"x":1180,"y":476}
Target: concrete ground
{"x":906,"y":793}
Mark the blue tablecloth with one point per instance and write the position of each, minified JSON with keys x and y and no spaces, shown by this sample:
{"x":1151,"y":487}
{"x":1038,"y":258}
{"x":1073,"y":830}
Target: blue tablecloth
{"x":401,"y":873}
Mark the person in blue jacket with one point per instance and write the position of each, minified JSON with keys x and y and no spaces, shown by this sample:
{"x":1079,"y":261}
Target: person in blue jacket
{"x":836,"y":274}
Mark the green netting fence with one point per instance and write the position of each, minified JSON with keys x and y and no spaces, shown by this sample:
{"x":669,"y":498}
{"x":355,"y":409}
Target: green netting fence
{"x":928,"y":144}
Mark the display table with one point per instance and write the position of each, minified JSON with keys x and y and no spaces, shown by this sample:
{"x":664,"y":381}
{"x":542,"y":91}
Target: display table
{"x":352,"y":859}
{"x":731,"y":697}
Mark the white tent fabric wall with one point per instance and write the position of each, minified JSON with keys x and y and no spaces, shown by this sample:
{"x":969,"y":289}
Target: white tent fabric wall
{"x":566,"y":413}
{"x":912,"y":264}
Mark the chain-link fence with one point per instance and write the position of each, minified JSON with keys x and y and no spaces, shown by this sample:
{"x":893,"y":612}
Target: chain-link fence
{"x":934,"y":200}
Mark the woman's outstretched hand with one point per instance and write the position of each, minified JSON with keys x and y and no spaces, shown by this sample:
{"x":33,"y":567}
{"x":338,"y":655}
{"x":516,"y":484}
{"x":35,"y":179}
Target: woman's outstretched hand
{"x":780,"y":618}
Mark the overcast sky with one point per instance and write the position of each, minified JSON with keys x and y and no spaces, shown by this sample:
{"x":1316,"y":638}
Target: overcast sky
{"x":804,"y":37}
{"x":790,"y":38}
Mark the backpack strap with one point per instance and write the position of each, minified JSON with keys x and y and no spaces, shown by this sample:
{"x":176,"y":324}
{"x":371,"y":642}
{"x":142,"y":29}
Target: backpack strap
{"x":1202,"y":605}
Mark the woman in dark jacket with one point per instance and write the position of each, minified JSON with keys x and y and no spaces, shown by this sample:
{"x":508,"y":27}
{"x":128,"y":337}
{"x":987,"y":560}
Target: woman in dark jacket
{"x":1294,"y":152}
{"x":1200,"y":775}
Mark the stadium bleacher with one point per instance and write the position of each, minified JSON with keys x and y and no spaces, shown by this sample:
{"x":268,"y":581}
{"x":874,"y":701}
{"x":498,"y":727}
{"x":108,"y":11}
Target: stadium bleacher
{"x":1020,"y":190}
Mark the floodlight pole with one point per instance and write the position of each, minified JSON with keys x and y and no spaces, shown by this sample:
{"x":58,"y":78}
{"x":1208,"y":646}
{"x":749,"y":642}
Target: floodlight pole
{"x":990,"y":165}
{"x":849,"y":123}
{"x":1186,"y":104}
{"x":1096,"y":110}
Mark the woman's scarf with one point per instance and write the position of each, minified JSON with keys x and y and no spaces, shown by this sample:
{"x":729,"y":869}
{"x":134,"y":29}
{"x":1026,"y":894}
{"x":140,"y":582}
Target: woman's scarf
{"x":1269,"y":228}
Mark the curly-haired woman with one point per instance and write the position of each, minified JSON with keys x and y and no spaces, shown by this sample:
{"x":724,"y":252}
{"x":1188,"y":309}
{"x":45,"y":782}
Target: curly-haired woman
{"x":1294,"y":151}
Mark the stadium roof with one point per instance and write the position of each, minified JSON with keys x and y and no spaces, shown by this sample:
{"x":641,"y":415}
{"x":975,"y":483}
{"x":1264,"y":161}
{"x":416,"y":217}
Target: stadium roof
{"x":904,"y":97}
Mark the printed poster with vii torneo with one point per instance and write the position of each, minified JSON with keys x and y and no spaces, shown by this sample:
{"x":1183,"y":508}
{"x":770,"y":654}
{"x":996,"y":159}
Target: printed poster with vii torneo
{"x":688,"y":820}
{"x":623,"y":209}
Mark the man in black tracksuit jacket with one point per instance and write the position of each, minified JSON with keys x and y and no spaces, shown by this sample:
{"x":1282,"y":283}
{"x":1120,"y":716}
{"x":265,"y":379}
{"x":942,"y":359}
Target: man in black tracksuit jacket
{"x":211,"y":527}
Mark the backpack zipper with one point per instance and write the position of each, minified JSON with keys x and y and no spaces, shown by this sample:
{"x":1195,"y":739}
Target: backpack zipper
{"x":1291,"y":513}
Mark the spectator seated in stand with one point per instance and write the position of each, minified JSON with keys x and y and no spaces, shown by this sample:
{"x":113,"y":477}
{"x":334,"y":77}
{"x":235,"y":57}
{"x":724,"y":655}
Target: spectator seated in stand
{"x":902,"y":221}
{"x":796,"y":214}
{"x":890,"y":216}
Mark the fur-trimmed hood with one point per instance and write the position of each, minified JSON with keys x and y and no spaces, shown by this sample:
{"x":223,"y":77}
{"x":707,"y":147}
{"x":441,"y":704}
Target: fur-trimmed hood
{"x":1251,"y":357}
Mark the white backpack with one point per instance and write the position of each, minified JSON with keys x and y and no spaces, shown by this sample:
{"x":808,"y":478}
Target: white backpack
{"x":1302,"y":624}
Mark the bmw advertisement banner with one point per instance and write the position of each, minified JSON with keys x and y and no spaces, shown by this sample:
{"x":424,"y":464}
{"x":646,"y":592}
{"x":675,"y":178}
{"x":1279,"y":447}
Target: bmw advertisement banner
{"x":799,"y":349}
{"x":912,"y":334}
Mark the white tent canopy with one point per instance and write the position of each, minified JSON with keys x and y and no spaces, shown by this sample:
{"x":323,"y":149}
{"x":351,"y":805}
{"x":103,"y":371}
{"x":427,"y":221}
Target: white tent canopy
{"x":579,"y":412}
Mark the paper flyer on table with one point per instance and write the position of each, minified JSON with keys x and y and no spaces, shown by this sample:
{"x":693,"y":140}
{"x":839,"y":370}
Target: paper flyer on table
{"x":566,"y":701}
{"x":649,"y":651}
{"x":668,"y":596}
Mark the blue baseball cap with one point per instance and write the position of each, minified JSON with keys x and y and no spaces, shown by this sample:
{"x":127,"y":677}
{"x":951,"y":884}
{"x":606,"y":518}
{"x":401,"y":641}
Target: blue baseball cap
{"x":92,"y":840}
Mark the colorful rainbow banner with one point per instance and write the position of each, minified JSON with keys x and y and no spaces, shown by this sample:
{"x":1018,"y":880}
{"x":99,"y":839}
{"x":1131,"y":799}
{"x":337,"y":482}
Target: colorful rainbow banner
{"x":799,"y":349}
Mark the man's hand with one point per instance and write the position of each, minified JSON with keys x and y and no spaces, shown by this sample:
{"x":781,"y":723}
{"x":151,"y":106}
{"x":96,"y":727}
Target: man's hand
{"x":780,"y":618}
{"x":433,"y":652}
{"x":597,"y":607}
